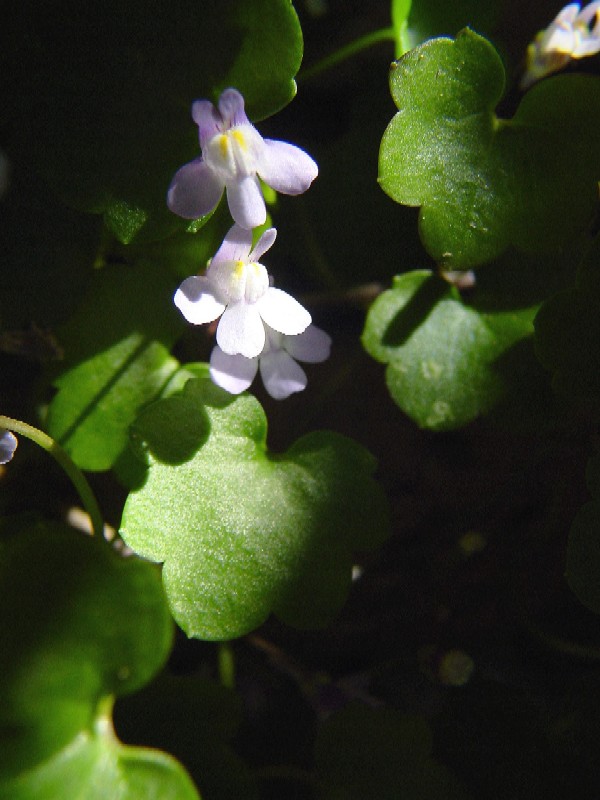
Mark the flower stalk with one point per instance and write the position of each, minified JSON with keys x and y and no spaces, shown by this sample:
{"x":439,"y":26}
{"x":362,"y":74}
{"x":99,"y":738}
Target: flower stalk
{"x":75,"y":475}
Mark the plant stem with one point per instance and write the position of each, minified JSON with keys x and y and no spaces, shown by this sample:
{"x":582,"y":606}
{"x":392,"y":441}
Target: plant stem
{"x":369,"y":39}
{"x":226,"y":665}
{"x":75,"y":474}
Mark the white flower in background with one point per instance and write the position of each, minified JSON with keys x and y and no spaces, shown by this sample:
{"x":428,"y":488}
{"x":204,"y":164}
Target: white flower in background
{"x":236,"y":286}
{"x":569,"y":36}
{"x":280,"y":373}
{"x":234,"y":156}
{"x":8,"y":445}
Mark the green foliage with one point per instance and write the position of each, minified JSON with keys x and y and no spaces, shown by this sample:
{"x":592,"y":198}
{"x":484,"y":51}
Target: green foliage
{"x":482,"y":182}
{"x":116,"y":361}
{"x":377,"y":752}
{"x":102,"y":93}
{"x":441,"y":354}
{"x":583,"y":555}
{"x":567,"y":332}
{"x":242,"y":532}
{"x":430,"y":18}
{"x":79,"y":624}
{"x":47,"y":254}
{"x":195,"y":719}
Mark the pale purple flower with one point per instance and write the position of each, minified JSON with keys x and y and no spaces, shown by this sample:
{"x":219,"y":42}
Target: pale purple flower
{"x":8,"y":445}
{"x":236,"y":286}
{"x":568,"y":36}
{"x":234,"y":156}
{"x":280,"y":373}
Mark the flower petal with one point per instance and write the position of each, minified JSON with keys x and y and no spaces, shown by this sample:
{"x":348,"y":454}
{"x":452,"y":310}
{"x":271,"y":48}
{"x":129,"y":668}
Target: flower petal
{"x":246,"y":202}
{"x":232,"y":373}
{"x":282,"y":313}
{"x":281,"y":375}
{"x":241,"y":330}
{"x":235,"y":247}
{"x":8,"y":445}
{"x":588,"y":13}
{"x":207,"y":118}
{"x":264,"y":243}
{"x":312,"y":346}
{"x":197,"y":302}
{"x":587,"y":47}
{"x":195,"y":190}
{"x":231,"y":106}
{"x":286,"y":168}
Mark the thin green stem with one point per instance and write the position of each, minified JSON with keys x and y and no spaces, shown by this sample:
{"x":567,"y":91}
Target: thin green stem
{"x":226,"y":665}
{"x":75,"y":474}
{"x":369,"y":39}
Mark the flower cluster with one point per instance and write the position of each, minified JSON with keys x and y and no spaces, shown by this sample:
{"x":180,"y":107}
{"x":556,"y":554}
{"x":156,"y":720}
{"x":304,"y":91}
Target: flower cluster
{"x":260,"y":327}
{"x":568,"y":36}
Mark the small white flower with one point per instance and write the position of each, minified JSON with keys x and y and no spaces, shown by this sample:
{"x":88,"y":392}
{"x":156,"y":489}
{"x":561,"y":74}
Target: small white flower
{"x":234,"y":154}
{"x":568,"y":36}
{"x":280,"y":373}
{"x":236,"y":286}
{"x":8,"y":445}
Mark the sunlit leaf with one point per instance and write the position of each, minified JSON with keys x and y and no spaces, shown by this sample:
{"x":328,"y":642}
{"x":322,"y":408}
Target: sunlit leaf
{"x":482,"y":182}
{"x":116,"y":361}
{"x":442,"y":355}
{"x":243,"y":532}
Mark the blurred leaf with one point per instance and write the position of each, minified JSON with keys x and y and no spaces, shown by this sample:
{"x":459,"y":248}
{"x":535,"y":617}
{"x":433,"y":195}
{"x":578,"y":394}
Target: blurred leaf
{"x":116,"y":361}
{"x":567,"y":333}
{"x":483,"y":183}
{"x":48,"y":251}
{"x":377,"y":752}
{"x":243,"y":533}
{"x":79,"y":624}
{"x":194,"y":719}
{"x":583,"y":555}
{"x":430,"y":18}
{"x":99,"y":94}
{"x":440,"y":353}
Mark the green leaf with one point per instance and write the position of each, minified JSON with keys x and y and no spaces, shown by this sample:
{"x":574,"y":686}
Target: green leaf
{"x":429,"y":18}
{"x":583,"y":555}
{"x":79,"y":624}
{"x":48,"y":251}
{"x":442,"y":356}
{"x":482,"y":182}
{"x":194,"y":719}
{"x":102,"y":96}
{"x":242,"y":532}
{"x":377,"y":752}
{"x":116,"y":361}
{"x":567,"y":334}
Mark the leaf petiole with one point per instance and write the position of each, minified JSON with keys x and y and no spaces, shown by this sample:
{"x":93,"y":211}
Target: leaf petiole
{"x":74,"y":473}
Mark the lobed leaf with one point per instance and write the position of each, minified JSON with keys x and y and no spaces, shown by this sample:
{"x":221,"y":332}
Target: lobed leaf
{"x":79,"y":625}
{"x":378,"y":752}
{"x":116,"y":361}
{"x":482,"y":182}
{"x":442,"y":356}
{"x":243,"y":533}
{"x":567,"y":333}
{"x":102,"y":96}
